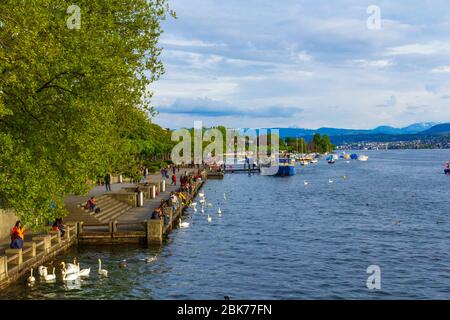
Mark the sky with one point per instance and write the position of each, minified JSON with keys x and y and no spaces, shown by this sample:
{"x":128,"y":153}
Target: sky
{"x":307,"y":64}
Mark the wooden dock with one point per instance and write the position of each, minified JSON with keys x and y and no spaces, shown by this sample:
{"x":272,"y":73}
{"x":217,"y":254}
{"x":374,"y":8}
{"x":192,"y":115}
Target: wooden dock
{"x":133,"y":226}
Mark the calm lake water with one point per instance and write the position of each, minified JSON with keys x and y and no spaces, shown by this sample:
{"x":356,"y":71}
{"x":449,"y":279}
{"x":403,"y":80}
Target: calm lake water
{"x":278,"y":238}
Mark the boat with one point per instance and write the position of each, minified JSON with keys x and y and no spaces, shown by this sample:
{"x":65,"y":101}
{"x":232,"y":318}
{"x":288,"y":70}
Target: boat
{"x":363,"y":158}
{"x":285,"y":168}
{"x":354,"y":156}
{"x":314,"y":161}
{"x":331,"y":159}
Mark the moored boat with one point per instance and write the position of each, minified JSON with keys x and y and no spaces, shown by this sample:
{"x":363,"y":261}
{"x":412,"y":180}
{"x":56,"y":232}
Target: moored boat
{"x":363,"y":158}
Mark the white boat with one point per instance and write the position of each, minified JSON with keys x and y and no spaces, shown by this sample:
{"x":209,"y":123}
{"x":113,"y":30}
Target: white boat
{"x":363,"y":158}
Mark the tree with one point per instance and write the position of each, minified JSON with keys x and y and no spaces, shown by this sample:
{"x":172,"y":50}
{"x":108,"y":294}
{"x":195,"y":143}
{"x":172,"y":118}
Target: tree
{"x":67,"y":96}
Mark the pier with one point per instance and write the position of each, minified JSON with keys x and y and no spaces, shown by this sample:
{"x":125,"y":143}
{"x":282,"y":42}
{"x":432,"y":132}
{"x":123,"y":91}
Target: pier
{"x":126,"y":218}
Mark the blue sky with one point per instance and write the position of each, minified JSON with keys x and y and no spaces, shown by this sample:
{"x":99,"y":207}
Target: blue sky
{"x":260,"y":63}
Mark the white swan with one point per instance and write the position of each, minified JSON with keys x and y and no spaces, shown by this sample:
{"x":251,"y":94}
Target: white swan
{"x":224,"y":196}
{"x":209,"y":204}
{"x":209,"y":218}
{"x":69,"y":269}
{"x":193,"y":204}
{"x":102,"y":272}
{"x":70,"y":276}
{"x":330,"y":181}
{"x":201,"y":194}
{"x":219,"y":211}
{"x":50,"y":277}
{"x":195,"y":209}
{"x":202,"y":210}
{"x":183,"y":224}
{"x":83,"y":272}
{"x":42,"y":271}
{"x":31,"y":279}
{"x":305,"y":183}
{"x":202,"y":201}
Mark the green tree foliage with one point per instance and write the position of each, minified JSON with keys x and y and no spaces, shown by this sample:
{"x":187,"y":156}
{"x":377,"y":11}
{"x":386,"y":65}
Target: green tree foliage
{"x":74,"y":103}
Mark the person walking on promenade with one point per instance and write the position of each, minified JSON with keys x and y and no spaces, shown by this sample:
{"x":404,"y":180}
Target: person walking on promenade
{"x":17,"y":236}
{"x":108,"y":182}
{"x":174,"y":180}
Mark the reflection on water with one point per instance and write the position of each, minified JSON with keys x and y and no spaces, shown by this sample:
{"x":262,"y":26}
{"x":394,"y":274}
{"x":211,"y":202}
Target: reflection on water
{"x":279,"y":238}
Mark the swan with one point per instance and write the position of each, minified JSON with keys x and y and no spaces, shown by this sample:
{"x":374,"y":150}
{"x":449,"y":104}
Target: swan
{"x":50,"y":277}
{"x":224,"y":196}
{"x":101,"y":271}
{"x":202,"y":210}
{"x":201,"y":194}
{"x":42,"y":271}
{"x":195,"y":209}
{"x":183,"y":224}
{"x":83,"y":272}
{"x":209,"y":218}
{"x":219,"y":211}
{"x":70,"y":276}
{"x":202,"y":201}
{"x":193,"y":204}
{"x":330,"y":181}
{"x":305,"y":183}
{"x":209,"y":204}
{"x":70,"y":268}
{"x":31,"y":279}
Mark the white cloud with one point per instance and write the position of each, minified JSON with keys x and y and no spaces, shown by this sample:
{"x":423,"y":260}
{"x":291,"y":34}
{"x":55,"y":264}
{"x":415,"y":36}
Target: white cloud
{"x":443,"y":69}
{"x":373,"y":63}
{"x":419,"y":49}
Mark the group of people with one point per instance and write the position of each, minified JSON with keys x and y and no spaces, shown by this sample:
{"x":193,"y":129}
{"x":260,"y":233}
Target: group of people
{"x":173,"y":169}
{"x":18,"y":233}
{"x":177,"y":198}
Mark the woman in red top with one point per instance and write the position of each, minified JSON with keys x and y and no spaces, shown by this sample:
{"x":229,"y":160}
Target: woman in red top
{"x":17,"y":236}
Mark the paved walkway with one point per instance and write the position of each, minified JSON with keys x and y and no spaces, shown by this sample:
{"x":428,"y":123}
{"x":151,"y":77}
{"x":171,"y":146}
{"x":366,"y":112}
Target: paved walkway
{"x":134,"y":215}
{"x":144,"y":213}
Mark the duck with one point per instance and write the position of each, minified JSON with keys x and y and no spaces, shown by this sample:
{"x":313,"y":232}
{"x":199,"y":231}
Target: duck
{"x":50,"y":277}
{"x":31,"y":279}
{"x":83,"y":272}
{"x":42,"y":271}
{"x":123,"y":264}
{"x":183,"y":224}
{"x":102,"y":272}
{"x":209,"y":218}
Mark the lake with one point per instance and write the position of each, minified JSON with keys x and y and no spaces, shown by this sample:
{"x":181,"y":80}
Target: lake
{"x":279,"y":238}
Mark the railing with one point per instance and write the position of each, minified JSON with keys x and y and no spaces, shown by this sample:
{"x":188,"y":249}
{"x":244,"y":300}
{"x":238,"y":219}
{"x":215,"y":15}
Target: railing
{"x":15,"y":261}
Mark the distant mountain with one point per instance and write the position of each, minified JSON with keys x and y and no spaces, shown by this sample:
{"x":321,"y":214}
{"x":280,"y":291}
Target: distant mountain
{"x":411,"y":129}
{"x":418,"y":127}
{"x":440,"y":129}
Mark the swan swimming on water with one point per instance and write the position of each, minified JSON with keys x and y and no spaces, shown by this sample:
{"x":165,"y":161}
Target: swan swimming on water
{"x":183,"y":224}
{"x":42,"y":271}
{"x":50,"y":277}
{"x":330,"y":181}
{"x":224,"y":196}
{"x":69,"y":269}
{"x":209,"y":218}
{"x":305,"y":183}
{"x":219,"y":211}
{"x":83,"y":272}
{"x":102,"y":272}
{"x":31,"y":279}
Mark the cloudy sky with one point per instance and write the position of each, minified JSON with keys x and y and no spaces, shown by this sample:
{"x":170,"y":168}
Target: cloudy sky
{"x":265,"y":63}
